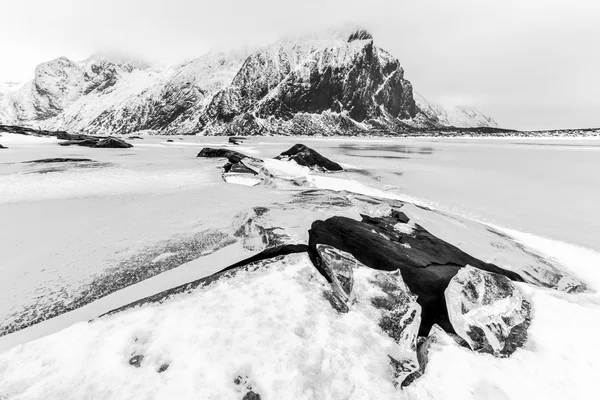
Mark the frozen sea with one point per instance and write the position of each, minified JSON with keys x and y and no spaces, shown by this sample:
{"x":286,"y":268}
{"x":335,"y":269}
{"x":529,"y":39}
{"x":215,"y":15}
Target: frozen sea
{"x":64,"y":227}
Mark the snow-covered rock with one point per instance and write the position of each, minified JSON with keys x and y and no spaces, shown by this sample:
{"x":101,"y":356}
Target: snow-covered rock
{"x":488,"y":311}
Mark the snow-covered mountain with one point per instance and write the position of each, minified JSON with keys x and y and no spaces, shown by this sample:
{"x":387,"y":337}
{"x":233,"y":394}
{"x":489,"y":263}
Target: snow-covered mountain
{"x":334,"y":83}
{"x":462,"y":117}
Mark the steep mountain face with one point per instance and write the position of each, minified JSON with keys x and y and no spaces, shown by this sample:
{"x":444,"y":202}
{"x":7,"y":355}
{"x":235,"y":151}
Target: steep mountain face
{"x":56,"y":85}
{"x":338,"y":83}
{"x":7,"y":109}
{"x":157,"y":99}
{"x":344,"y":85}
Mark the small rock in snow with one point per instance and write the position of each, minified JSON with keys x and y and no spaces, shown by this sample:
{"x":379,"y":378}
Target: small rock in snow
{"x":136,"y":360}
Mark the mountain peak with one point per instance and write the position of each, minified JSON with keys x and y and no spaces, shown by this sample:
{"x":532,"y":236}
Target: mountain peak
{"x":332,"y":82}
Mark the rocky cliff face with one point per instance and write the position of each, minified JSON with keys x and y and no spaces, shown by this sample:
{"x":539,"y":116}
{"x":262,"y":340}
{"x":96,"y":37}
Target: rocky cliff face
{"x":343,"y":85}
{"x":339,"y":83}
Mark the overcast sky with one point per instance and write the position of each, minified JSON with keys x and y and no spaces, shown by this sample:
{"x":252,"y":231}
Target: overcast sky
{"x":530,"y":64}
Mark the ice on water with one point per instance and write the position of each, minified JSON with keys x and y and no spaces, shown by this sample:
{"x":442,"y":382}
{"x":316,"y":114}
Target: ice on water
{"x":61,"y":229}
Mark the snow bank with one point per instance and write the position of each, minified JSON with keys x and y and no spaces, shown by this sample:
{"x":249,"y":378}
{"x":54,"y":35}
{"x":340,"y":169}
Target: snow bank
{"x":271,"y":325}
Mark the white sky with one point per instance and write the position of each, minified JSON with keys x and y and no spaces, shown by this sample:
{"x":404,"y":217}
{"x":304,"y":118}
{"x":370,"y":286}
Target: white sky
{"x":530,"y":64}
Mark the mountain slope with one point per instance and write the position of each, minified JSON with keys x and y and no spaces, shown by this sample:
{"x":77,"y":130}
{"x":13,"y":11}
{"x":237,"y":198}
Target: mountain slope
{"x":460,"y":117}
{"x":336,"y":83}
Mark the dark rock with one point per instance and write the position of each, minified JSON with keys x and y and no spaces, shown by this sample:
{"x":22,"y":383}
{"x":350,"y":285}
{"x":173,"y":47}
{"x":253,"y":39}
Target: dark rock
{"x":2,"y":147}
{"x":236,"y":139}
{"x":324,"y":94}
{"x":21,"y":130}
{"x":308,"y":157}
{"x":231,"y":155}
{"x":93,"y":141}
{"x":251,"y":396}
{"x":400,"y":216}
{"x":163,"y":368}
{"x":136,"y":360}
{"x":84,"y":142}
{"x":113,"y":143}
{"x":239,"y":168}
{"x":360,"y":34}
{"x":245,"y":385}
{"x":170,"y":141}
{"x":75,"y":136}
{"x":427,"y":263}
{"x":59,"y":160}
{"x":135,"y":137}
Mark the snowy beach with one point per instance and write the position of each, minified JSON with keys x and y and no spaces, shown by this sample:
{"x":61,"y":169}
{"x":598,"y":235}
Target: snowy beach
{"x":83,"y":238}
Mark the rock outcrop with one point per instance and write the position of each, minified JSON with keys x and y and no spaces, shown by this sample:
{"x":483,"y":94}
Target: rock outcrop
{"x":308,"y":157}
{"x":427,"y":263}
{"x":22,"y":130}
{"x":231,"y":155}
{"x":97,"y":142}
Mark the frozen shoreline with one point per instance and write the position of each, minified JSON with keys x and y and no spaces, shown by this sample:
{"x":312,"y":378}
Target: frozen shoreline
{"x":475,"y":375}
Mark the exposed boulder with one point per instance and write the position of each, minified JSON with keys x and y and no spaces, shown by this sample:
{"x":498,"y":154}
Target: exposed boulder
{"x":238,"y":167}
{"x":427,"y":263}
{"x":488,"y":311}
{"x":236,"y":139}
{"x":75,"y":136}
{"x":113,"y":143}
{"x":231,"y":155}
{"x":134,"y":137}
{"x":2,"y":147}
{"x":84,"y":142}
{"x":308,"y":157}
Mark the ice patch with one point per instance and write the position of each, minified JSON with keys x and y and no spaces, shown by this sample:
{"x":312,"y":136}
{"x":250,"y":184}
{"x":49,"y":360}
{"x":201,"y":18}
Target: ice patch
{"x":285,"y":169}
{"x":242,"y":179}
